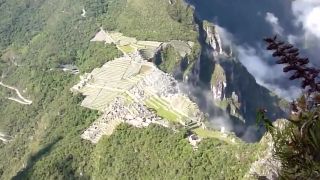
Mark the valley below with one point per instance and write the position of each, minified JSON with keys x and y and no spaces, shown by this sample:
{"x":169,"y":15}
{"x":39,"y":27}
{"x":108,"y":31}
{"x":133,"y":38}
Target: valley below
{"x":123,"y":89}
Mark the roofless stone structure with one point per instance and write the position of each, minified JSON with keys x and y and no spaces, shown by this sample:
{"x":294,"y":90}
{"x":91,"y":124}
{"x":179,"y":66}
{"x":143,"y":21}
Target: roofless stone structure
{"x":131,"y":90}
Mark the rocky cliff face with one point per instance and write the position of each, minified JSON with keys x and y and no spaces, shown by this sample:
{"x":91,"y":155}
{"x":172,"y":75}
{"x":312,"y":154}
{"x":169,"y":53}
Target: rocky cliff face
{"x":213,"y":38}
{"x":209,"y":67}
{"x":218,"y":83}
{"x":267,"y":166}
{"x":232,"y":88}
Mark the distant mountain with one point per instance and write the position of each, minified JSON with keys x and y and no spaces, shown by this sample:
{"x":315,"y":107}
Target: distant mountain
{"x":42,"y":140}
{"x":245,"y":19}
{"x":223,"y":87}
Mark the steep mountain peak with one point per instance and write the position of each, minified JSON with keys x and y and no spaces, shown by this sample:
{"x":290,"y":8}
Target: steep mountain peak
{"x":148,"y":64}
{"x":212,"y":37}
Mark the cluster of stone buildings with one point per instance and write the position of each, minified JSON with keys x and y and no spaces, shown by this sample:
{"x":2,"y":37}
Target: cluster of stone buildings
{"x":122,"y":111}
{"x":121,"y":88}
{"x":129,"y":105}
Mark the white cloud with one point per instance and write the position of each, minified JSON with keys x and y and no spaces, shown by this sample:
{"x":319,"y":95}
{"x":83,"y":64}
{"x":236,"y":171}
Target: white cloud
{"x":307,"y":13}
{"x":274,"y":23}
{"x":313,"y":21}
{"x":203,"y":97}
{"x":293,"y":39}
{"x":291,"y":93}
{"x":307,"y":17}
{"x":255,"y":63}
{"x":226,"y":37}
{"x":255,"y":60}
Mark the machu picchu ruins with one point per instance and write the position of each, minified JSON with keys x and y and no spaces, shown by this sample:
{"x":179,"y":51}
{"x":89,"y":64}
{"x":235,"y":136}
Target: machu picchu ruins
{"x":132,"y":90}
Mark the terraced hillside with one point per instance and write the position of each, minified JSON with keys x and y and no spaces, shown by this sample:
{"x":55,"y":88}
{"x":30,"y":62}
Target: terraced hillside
{"x":125,"y":89}
{"x":45,"y":137}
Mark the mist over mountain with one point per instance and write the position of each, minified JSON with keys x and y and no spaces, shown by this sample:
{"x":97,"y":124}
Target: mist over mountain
{"x":144,"y":89}
{"x":247,"y":21}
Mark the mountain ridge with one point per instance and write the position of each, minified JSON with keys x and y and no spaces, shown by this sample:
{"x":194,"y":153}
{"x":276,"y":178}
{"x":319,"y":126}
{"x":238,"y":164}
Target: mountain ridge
{"x":46,"y":140}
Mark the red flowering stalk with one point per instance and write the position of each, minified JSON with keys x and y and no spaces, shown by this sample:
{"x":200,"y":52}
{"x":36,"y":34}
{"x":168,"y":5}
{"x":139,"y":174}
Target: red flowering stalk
{"x":289,"y":56}
{"x":298,"y":144}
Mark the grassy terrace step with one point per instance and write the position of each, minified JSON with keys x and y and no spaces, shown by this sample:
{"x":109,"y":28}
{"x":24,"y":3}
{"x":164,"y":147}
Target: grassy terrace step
{"x":160,"y":101}
{"x":118,"y":67}
{"x":115,"y":84}
{"x":88,"y":90}
{"x":99,"y":101}
{"x":128,"y":99}
{"x":167,"y":104}
{"x":163,"y":111}
{"x":123,"y":63}
{"x":138,"y":46}
{"x":205,"y":133}
{"x":56,"y":119}
{"x":127,"y":48}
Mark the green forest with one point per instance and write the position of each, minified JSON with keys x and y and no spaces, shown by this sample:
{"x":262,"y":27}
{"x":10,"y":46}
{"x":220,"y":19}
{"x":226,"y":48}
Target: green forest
{"x":36,"y":36}
{"x":153,"y":152}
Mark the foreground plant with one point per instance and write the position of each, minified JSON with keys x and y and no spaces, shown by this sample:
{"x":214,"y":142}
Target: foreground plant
{"x":297,"y":146}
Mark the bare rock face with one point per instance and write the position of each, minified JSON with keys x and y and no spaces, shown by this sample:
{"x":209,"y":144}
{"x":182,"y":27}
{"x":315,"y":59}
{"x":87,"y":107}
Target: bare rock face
{"x":218,"y":90}
{"x":213,"y":37}
{"x":267,"y":167}
{"x":218,"y":83}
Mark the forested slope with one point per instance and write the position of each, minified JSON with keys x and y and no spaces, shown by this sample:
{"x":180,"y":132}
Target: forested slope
{"x":36,"y":36}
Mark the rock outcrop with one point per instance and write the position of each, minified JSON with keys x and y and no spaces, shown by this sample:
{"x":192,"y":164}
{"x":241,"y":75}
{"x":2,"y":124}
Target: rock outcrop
{"x":218,"y":83}
{"x":232,"y":88}
{"x":213,"y":38}
{"x":267,"y":166}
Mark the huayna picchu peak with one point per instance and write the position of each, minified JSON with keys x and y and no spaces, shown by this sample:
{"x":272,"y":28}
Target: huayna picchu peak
{"x":143,"y":89}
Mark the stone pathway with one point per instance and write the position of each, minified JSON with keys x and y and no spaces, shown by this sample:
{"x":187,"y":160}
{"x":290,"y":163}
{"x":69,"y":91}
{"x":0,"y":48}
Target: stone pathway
{"x":121,"y":88}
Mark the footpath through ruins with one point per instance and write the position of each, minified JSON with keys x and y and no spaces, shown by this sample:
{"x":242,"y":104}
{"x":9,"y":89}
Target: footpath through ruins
{"x":132,"y":90}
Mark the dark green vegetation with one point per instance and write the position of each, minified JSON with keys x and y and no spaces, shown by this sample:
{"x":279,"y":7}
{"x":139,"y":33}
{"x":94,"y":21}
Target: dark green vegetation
{"x":157,"y":152}
{"x":96,"y":55}
{"x":259,"y":96}
{"x":298,"y":145}
{"x":168,"y":59}
{"x":154,"y":152}
{"x":38,"y":36}
{"x":297,"y":142}
{"x":158,"y":20}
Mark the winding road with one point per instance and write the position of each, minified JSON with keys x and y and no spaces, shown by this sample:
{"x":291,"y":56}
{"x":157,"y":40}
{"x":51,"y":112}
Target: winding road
{"x":22,"y":100}
{"x":4,"y":138}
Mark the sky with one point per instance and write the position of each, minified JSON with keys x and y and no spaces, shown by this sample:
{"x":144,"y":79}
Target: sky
{"x":245,"y":23}
{"x":307,"y":15}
